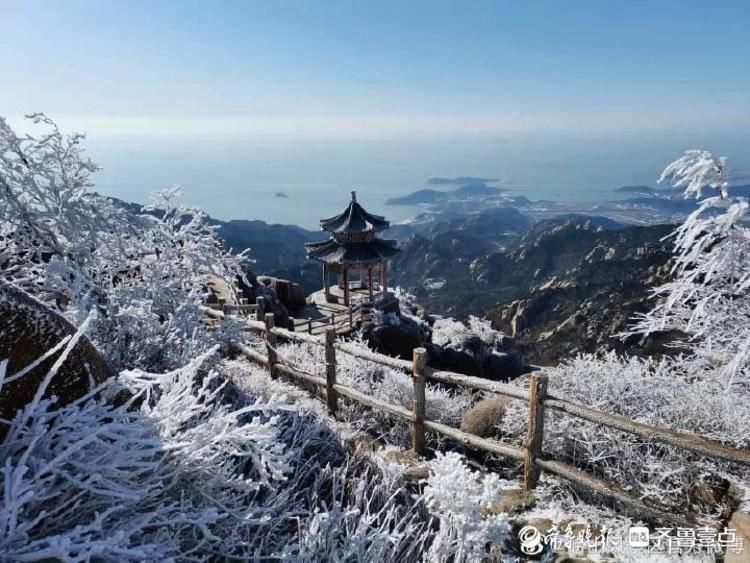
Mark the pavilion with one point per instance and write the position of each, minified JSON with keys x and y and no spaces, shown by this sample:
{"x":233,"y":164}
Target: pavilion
{"x":353,"y":248}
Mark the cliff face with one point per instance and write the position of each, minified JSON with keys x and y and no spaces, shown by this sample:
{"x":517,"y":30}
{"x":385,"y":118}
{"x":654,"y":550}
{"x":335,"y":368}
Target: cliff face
{"x":584,"y":286}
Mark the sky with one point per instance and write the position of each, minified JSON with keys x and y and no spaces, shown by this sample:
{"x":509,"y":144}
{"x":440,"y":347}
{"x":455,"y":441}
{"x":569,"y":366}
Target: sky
{"x":379,"y":69}
{"x":239,"y":100}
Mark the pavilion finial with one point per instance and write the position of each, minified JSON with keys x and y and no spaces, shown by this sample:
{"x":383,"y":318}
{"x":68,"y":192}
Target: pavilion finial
{"x":354,"y":195}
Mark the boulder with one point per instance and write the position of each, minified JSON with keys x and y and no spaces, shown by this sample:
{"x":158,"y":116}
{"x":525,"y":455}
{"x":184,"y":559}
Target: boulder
{"x":397,"y":339}
{"x":289,"y":293}
{"x":29,"y":328}
{"x":457,"y":361}
{"x":482,"y":418}
{"x":512,"y":501}
{"x":275,"y":306}
{"x":251,"y":289}
{"x":503,"y":366}
{"x":740,"y":523}
{"x":387,"y":304}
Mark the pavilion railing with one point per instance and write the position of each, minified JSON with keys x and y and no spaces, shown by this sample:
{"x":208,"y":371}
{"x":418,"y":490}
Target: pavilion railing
{"x":532,"y":453}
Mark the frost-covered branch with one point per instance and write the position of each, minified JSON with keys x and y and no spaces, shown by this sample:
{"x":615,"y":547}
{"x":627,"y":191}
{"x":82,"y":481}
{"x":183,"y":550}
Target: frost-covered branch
{"x":709,"y":297}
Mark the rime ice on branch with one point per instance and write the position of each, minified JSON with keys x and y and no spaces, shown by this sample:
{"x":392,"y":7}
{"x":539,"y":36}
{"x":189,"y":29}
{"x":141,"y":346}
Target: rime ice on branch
{"x":709,"y":298}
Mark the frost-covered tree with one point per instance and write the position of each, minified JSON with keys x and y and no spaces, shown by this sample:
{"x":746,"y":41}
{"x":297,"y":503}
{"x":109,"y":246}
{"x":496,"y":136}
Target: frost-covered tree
{"x":48,"y":217}
{"x":144,"y":273}
{"x":702,"y":388}
{"x":709,"y":297}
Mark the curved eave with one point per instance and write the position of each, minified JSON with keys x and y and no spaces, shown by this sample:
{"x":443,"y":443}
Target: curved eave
{"x":354,"y":219}
{"x":333,"y":252}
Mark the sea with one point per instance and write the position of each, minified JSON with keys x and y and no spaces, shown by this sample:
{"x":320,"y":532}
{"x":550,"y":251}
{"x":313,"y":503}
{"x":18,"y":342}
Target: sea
{"x":299,"y":181}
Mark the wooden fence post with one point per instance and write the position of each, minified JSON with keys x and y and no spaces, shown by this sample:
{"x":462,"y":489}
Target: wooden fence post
{"x":260,"y":312}
{"x":309,"y":325}
{"x":271,"y":344}
{"x":535,"y":429}
{"x":418,"y":376}
{"x":331,"y":396}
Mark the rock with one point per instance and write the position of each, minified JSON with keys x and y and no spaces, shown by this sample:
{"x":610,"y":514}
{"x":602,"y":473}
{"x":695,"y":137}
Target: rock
{"x":387,"y":304}
{"x":712,"y":492}
{"x":481,"y":419}
{"x":544,"y":525}
{"x":397,"y":340}
{"x":513,"y":501}
{"x":740,"y":523}
{"x":29,"y":329}
{"x":503,"y":366}
{"x":414,"y":468}
{"x":460,"y":362}
{"x":251,"y":290}
{"x":275,"y":306}
{"x":289,"y":293}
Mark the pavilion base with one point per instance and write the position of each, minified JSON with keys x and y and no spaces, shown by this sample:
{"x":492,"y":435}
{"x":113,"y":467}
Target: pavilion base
{"x":358,"y":293}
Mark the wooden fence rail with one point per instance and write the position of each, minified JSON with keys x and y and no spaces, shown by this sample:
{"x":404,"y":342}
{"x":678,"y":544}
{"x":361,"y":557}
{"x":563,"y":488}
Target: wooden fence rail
{"x":532,"y":453}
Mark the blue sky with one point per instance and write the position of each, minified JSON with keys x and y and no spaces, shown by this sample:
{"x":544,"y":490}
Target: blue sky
{"x":377,"y":69}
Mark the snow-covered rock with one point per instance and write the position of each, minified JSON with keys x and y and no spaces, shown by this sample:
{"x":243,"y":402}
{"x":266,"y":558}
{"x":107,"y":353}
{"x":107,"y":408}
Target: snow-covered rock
{"x":28,"y":330}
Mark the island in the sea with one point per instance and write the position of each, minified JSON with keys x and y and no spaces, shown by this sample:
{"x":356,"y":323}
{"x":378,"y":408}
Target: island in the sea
{"x":468,"y":188}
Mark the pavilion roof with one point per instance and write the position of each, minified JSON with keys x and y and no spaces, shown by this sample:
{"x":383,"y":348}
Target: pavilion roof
{"x":354,"y":219}
{"x":334,"y":252}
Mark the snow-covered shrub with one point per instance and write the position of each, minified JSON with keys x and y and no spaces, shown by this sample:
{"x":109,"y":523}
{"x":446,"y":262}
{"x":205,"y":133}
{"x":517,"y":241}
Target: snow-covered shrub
{"x":449,"y":332}
{"x":372,"y":518}
{"x":163,"y":299}
{"x":462,"y":500}
{"x":454,"y":334}
{"x":171,"y":471}
{"x":378,"y":381}
{"x":677,"y":393}
{"x":191,"y":467}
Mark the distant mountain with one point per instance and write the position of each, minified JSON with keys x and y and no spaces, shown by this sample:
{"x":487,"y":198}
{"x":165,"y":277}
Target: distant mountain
{"x":272,"y":246}
{"x":581,"y":221}
{"x":436,"y":264}
{"x":560,"y":286}
{"x":460,"y":181}
{"x":428,"y":196}
{"x":636,"y":190}
{"x":584,"y":286}
{"x":676,"y":194}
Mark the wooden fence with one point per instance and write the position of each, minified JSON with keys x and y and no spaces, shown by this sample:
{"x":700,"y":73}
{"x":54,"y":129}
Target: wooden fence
{"x":344,"y":321}
{"x":532,"y":454}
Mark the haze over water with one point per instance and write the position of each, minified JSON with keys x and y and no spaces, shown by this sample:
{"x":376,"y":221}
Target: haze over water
{"x":235,"y":178}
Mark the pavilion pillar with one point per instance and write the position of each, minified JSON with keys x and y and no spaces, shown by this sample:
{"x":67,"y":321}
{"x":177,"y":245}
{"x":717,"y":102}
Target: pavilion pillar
{"x":384,"y":276}
{"x":325,"y":281}
{"x":345,"y":276}
{"x":369,"y":281}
